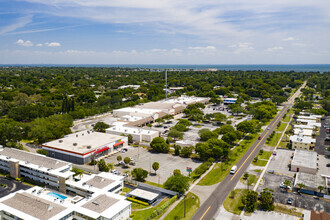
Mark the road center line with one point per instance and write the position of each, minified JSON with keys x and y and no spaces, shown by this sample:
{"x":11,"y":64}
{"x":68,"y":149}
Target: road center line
{"x":205,"y":212}
{"x":280,"y":116}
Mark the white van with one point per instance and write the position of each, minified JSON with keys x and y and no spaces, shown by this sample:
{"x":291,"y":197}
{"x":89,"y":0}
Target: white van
{"x":233,"y":170}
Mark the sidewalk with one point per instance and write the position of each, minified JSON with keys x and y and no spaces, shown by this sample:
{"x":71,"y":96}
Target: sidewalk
{"x":202,"y":195}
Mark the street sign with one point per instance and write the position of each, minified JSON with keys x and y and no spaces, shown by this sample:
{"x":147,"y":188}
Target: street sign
{"x":189,"y":169}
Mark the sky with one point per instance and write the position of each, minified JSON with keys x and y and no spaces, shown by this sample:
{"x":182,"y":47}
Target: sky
{"x":164,"y":32}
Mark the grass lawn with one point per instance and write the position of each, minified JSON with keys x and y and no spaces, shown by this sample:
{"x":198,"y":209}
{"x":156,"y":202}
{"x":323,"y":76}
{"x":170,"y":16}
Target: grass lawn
{"x":192,"y":204}
{"x":265,"y":155}
{"x":252,"y":180}
{"x":221,"y":170}
{"x":235,"y":205}
{"x":126,"y":190}
{"x":154,"y":184}
{"x":258,"y":170}
{"x":260,"y":163}
{"x":138,"y":206}
{"x":287,"y":210}
{"x":274,"y":140}
{"x":137,"y":215}
{"x":287,"y":118}
{"x":25,"y":149}
{"x":282,"y":127}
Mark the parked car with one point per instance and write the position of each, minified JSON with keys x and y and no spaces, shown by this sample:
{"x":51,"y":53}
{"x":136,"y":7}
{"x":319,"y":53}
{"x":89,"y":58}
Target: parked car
{"x":259,"y":138}
{"x":121,"y":163}
{"x":271,"y":171}
{"x":290,"y":201}
{"x":282,"y":185}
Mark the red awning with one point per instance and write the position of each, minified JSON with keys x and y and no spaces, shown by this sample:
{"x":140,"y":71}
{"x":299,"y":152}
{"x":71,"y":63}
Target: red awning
{"x":103,"y":149}
{"x":119,"y":143}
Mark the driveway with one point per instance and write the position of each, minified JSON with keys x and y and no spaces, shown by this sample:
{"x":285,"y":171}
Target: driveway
{"x":12,"y":186}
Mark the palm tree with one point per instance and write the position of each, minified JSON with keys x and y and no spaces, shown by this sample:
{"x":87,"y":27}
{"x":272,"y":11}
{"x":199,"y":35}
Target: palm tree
{"x":321,"y":188}
{"x":110,"y":165}
{"x":300,"y":185}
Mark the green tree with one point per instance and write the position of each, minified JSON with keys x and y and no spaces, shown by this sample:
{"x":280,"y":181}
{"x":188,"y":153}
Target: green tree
{"x":78,"y":172}
{"x":187,"y":151}
{"x":127,"y":160}
{"x":103,"y":166}
{"x":208,"y":135}
{"x":184,"y":122}
{"x":178,"y":183}
{"x":250,"y":200}
{"x":321,"y":188}
{"x":139,"y":174}
{"x":229,"y":137}
{"x":100,"y":126}
{"x":225,"y":129}
{"x":110,"y":166}
{"x":176,"y":172}
{"x":247,"y":126}
{"x":158,"y":144}
{"x":175,"y":134}
{"x":42,"y":151}
{"x":287,"y":183}
{"x":300,"y":185}
{"x":267,"y":200}
{"x":119,"y":158}
{"x":246,"y":175}
{"x":177,"y":149}
{"x":155,"y":166}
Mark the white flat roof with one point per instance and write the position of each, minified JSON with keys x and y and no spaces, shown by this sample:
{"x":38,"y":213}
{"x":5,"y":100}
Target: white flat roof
{"x":137,"y":109}
{"x":305,"y":158}
{"x":304,"y":132}
{"x":84,"y":141}
{"x":132,"y":130}
{"x":302,"y":139}
{"x":143,"y":194}
{"x":304,"y":127}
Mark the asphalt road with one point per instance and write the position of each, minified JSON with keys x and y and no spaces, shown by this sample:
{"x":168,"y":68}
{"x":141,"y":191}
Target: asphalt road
{"x":209,"y":208}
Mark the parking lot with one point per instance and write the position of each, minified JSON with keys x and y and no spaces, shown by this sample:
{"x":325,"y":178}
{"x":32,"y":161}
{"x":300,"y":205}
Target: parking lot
{"x":272,"y":181}
{"x":144,"y":159}
{"x":280,"y":162}
{"x":12,"y":186}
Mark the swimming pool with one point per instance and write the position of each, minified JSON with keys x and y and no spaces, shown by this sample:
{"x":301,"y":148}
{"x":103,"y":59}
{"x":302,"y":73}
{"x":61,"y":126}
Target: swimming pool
{"x":56,"y":195}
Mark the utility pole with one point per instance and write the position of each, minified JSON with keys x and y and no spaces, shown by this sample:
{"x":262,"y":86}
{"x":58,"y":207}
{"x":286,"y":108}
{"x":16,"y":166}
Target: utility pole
{"x":165,"y":85}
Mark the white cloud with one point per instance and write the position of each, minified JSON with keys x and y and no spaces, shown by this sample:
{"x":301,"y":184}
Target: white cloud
{"x":207,"y":48}
{"x":39,"y":45}
{"x":288,"y":39}
{"x":24,"y":43}
{"x":175,"y":50}
{"x":242,"y":47}
{"x":272,"y":49}
{"x":53,"y":44}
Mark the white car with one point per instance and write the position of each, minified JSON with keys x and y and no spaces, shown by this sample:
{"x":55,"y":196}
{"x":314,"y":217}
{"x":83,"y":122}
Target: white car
{"x":282,"y":185}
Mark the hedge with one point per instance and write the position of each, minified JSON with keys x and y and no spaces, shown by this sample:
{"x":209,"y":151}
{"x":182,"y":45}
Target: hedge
{"x":137,"y":201}
{"x":200,"y":170}
{"x":162,"y":208}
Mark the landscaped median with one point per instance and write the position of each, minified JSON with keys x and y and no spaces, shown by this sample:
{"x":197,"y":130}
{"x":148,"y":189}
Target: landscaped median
{"x":262,"y":158}
{"x":191,"y":206}
{"x":221,"y":170}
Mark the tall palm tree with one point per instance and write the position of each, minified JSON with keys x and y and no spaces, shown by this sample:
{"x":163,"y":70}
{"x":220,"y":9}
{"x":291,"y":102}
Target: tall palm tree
{"x":300,"y":185}
{"x":321,"y":188}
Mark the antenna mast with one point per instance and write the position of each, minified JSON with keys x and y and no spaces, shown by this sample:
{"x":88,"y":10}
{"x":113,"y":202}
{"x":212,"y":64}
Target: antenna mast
{"x":165,"y":85}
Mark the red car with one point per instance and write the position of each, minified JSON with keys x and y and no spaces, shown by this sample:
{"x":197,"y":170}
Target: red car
{"x":259,"y":138}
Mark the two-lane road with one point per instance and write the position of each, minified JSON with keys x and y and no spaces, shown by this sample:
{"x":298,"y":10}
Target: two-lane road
{"x":211,"y":205}
{"x":209,"y":208}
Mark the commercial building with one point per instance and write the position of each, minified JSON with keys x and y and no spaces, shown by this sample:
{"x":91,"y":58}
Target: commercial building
{"x":313,"y":123}
{"x":304,"y":161}
{"x":229,"y":100}
{"x":138,"y":134}
{"x":144,"y":195}
{"x":315,"y":118}
{"x":82,"y":147}
{"x":311,"y":183}
{"x":39,"y":203}
{"x":56,"y":174}
{"x":303,"y":132}
{"x":36,"y":167}
{"x":302,"y":142}
{"x":129,"y":86}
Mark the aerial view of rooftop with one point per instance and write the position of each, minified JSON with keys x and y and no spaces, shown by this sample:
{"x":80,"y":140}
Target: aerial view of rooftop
{"x":164,"y":110}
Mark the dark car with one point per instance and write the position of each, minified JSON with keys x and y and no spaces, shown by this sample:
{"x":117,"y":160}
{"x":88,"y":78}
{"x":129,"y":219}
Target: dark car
{"x":328,"y":165}
{"x":259,"y":138}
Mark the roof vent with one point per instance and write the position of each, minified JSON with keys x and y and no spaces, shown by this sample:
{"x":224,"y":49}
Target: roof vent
{"x":60,"y":141}
{"x":95,"y":202}
{"x":74,"y":144}
{"x":89,"y":147}
{"x":76,"y":135}
{"x":82,"y":134}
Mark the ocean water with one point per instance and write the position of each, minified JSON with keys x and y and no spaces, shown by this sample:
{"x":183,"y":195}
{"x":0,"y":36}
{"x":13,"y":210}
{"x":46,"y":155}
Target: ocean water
{"x":269,"y":67}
